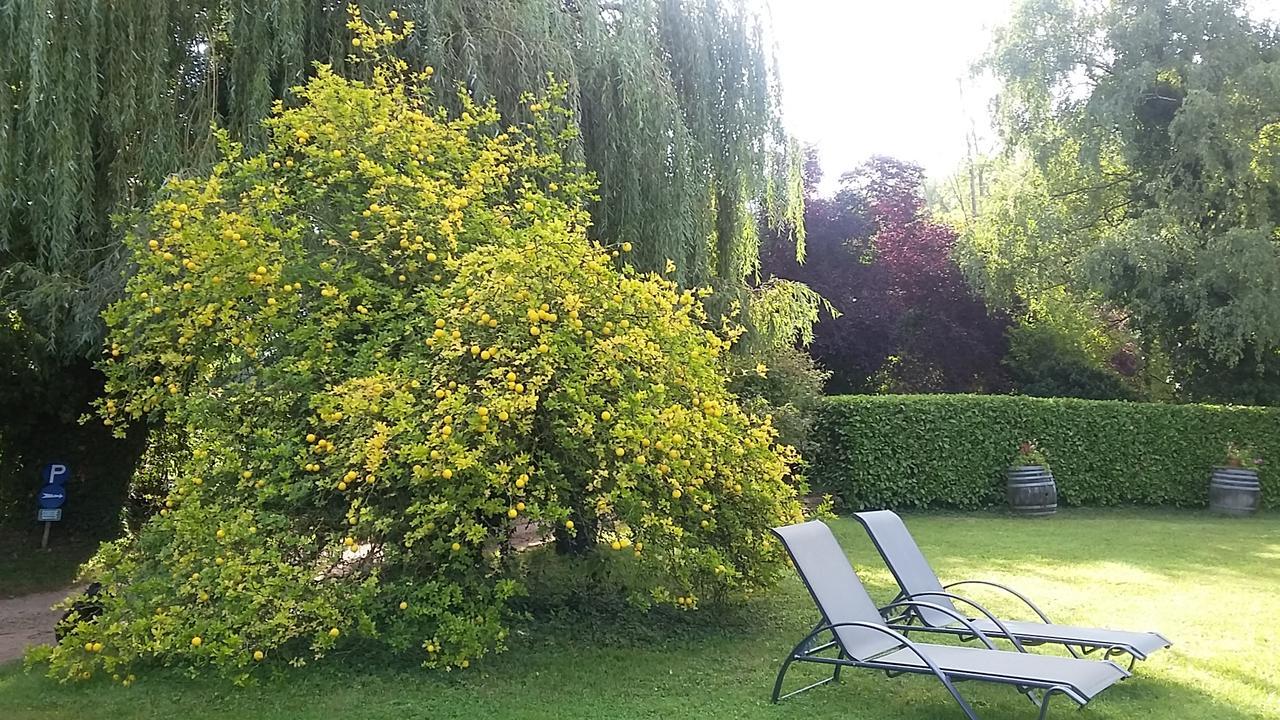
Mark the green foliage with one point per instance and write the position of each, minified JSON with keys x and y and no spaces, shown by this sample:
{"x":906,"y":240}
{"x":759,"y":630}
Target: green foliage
{"x":676,"y":102}
{"x":393,"y":350}
{"x":1141,"y":179}
{"x":951,"y":451}
{"x":784,"y":384}
{"x":1045,"y":361}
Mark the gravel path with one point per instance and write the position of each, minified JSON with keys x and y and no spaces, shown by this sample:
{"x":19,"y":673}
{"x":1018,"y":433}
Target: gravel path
{"x":28,"y":620}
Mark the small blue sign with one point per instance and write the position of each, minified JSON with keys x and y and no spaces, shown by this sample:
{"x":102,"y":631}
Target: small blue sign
{"x":55,"y":473}
{"x":52,"y":496}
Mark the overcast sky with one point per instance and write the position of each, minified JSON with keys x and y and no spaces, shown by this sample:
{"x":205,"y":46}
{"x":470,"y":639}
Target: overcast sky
{"x":867,"y":77}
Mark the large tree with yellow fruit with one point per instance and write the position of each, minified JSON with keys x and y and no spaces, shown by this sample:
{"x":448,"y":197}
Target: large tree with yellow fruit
{"x":392,"y":345}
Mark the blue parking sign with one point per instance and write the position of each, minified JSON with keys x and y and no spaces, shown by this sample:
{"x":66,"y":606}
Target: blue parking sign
{"x":55,"y":473}
{"x":52,"y":496}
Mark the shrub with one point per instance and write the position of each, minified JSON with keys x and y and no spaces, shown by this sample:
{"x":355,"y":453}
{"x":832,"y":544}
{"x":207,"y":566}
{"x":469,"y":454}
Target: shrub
{"x":392,"y":347}
{"x":783,"y":383}
{"x":951,"y":451}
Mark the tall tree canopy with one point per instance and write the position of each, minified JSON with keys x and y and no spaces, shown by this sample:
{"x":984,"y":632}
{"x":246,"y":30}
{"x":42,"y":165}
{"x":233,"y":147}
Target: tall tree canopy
{"x":675,"y":106}
{"x":908,"y":321}
{"x":1142,"y":178}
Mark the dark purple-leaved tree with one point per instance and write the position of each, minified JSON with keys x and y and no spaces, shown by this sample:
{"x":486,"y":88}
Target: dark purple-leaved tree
{"x":909,"y":322}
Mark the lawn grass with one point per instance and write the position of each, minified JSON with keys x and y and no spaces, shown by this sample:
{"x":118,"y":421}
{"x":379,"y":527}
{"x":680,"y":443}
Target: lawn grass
{"x":1209,"y":584}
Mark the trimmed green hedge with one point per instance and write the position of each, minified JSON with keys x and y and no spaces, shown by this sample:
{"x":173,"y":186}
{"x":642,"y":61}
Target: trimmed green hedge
{"x":950,"y":451}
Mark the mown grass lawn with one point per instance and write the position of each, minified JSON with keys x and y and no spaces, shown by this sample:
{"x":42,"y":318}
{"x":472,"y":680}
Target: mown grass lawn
{"x":1211,"y":585}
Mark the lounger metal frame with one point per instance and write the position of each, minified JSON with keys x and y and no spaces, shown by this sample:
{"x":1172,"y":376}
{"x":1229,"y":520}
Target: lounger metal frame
{"x":808,"y":650}
{"x":912,"y":620}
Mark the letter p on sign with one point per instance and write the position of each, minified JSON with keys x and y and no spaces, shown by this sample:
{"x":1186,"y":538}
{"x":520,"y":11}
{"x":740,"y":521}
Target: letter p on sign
{"x":56,"y":473}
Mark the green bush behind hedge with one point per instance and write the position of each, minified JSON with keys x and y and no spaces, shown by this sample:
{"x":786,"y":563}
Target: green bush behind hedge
{"x":951,"y":451}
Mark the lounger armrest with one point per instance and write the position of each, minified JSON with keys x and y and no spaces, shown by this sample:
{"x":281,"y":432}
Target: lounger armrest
{"x":946,"y":611}
{"x":1027,"y":601}
{"x":989,"y":615}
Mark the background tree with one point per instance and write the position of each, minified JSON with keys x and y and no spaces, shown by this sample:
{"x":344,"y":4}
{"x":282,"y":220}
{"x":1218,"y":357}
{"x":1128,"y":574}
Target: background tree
{"x":1141,"y":138}
{"x":675,"y":109}
{"x":908,"y":321}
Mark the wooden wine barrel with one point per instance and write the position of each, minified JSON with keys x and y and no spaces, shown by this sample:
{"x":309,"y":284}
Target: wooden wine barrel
{"x":1234,"y":491}
{"x":1031,"y":490}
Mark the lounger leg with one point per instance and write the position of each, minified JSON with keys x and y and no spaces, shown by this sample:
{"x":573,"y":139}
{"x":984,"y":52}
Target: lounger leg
{"x":1117,"y":652}
{"x":1044,"y":702}
{"x":798,"y":651}
{"x":782,"y":673}
{"x":964,"y":704}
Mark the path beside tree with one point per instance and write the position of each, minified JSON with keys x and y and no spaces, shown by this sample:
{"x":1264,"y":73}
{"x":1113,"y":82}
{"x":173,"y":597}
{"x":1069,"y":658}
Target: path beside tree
{"x":28,"y":620}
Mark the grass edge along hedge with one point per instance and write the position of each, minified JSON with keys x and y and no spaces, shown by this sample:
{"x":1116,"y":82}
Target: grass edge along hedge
{"x":951,"y":451}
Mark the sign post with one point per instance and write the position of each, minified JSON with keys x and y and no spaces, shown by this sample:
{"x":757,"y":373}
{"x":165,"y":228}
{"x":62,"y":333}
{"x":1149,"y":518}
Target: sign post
{"x":52,"y":497}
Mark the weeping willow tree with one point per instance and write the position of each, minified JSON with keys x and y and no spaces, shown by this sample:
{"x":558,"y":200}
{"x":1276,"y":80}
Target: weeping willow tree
{"x":676,"y":103}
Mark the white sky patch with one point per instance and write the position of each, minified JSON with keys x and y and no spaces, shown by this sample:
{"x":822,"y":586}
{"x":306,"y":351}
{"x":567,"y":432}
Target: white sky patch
{"x":891,"y":77}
